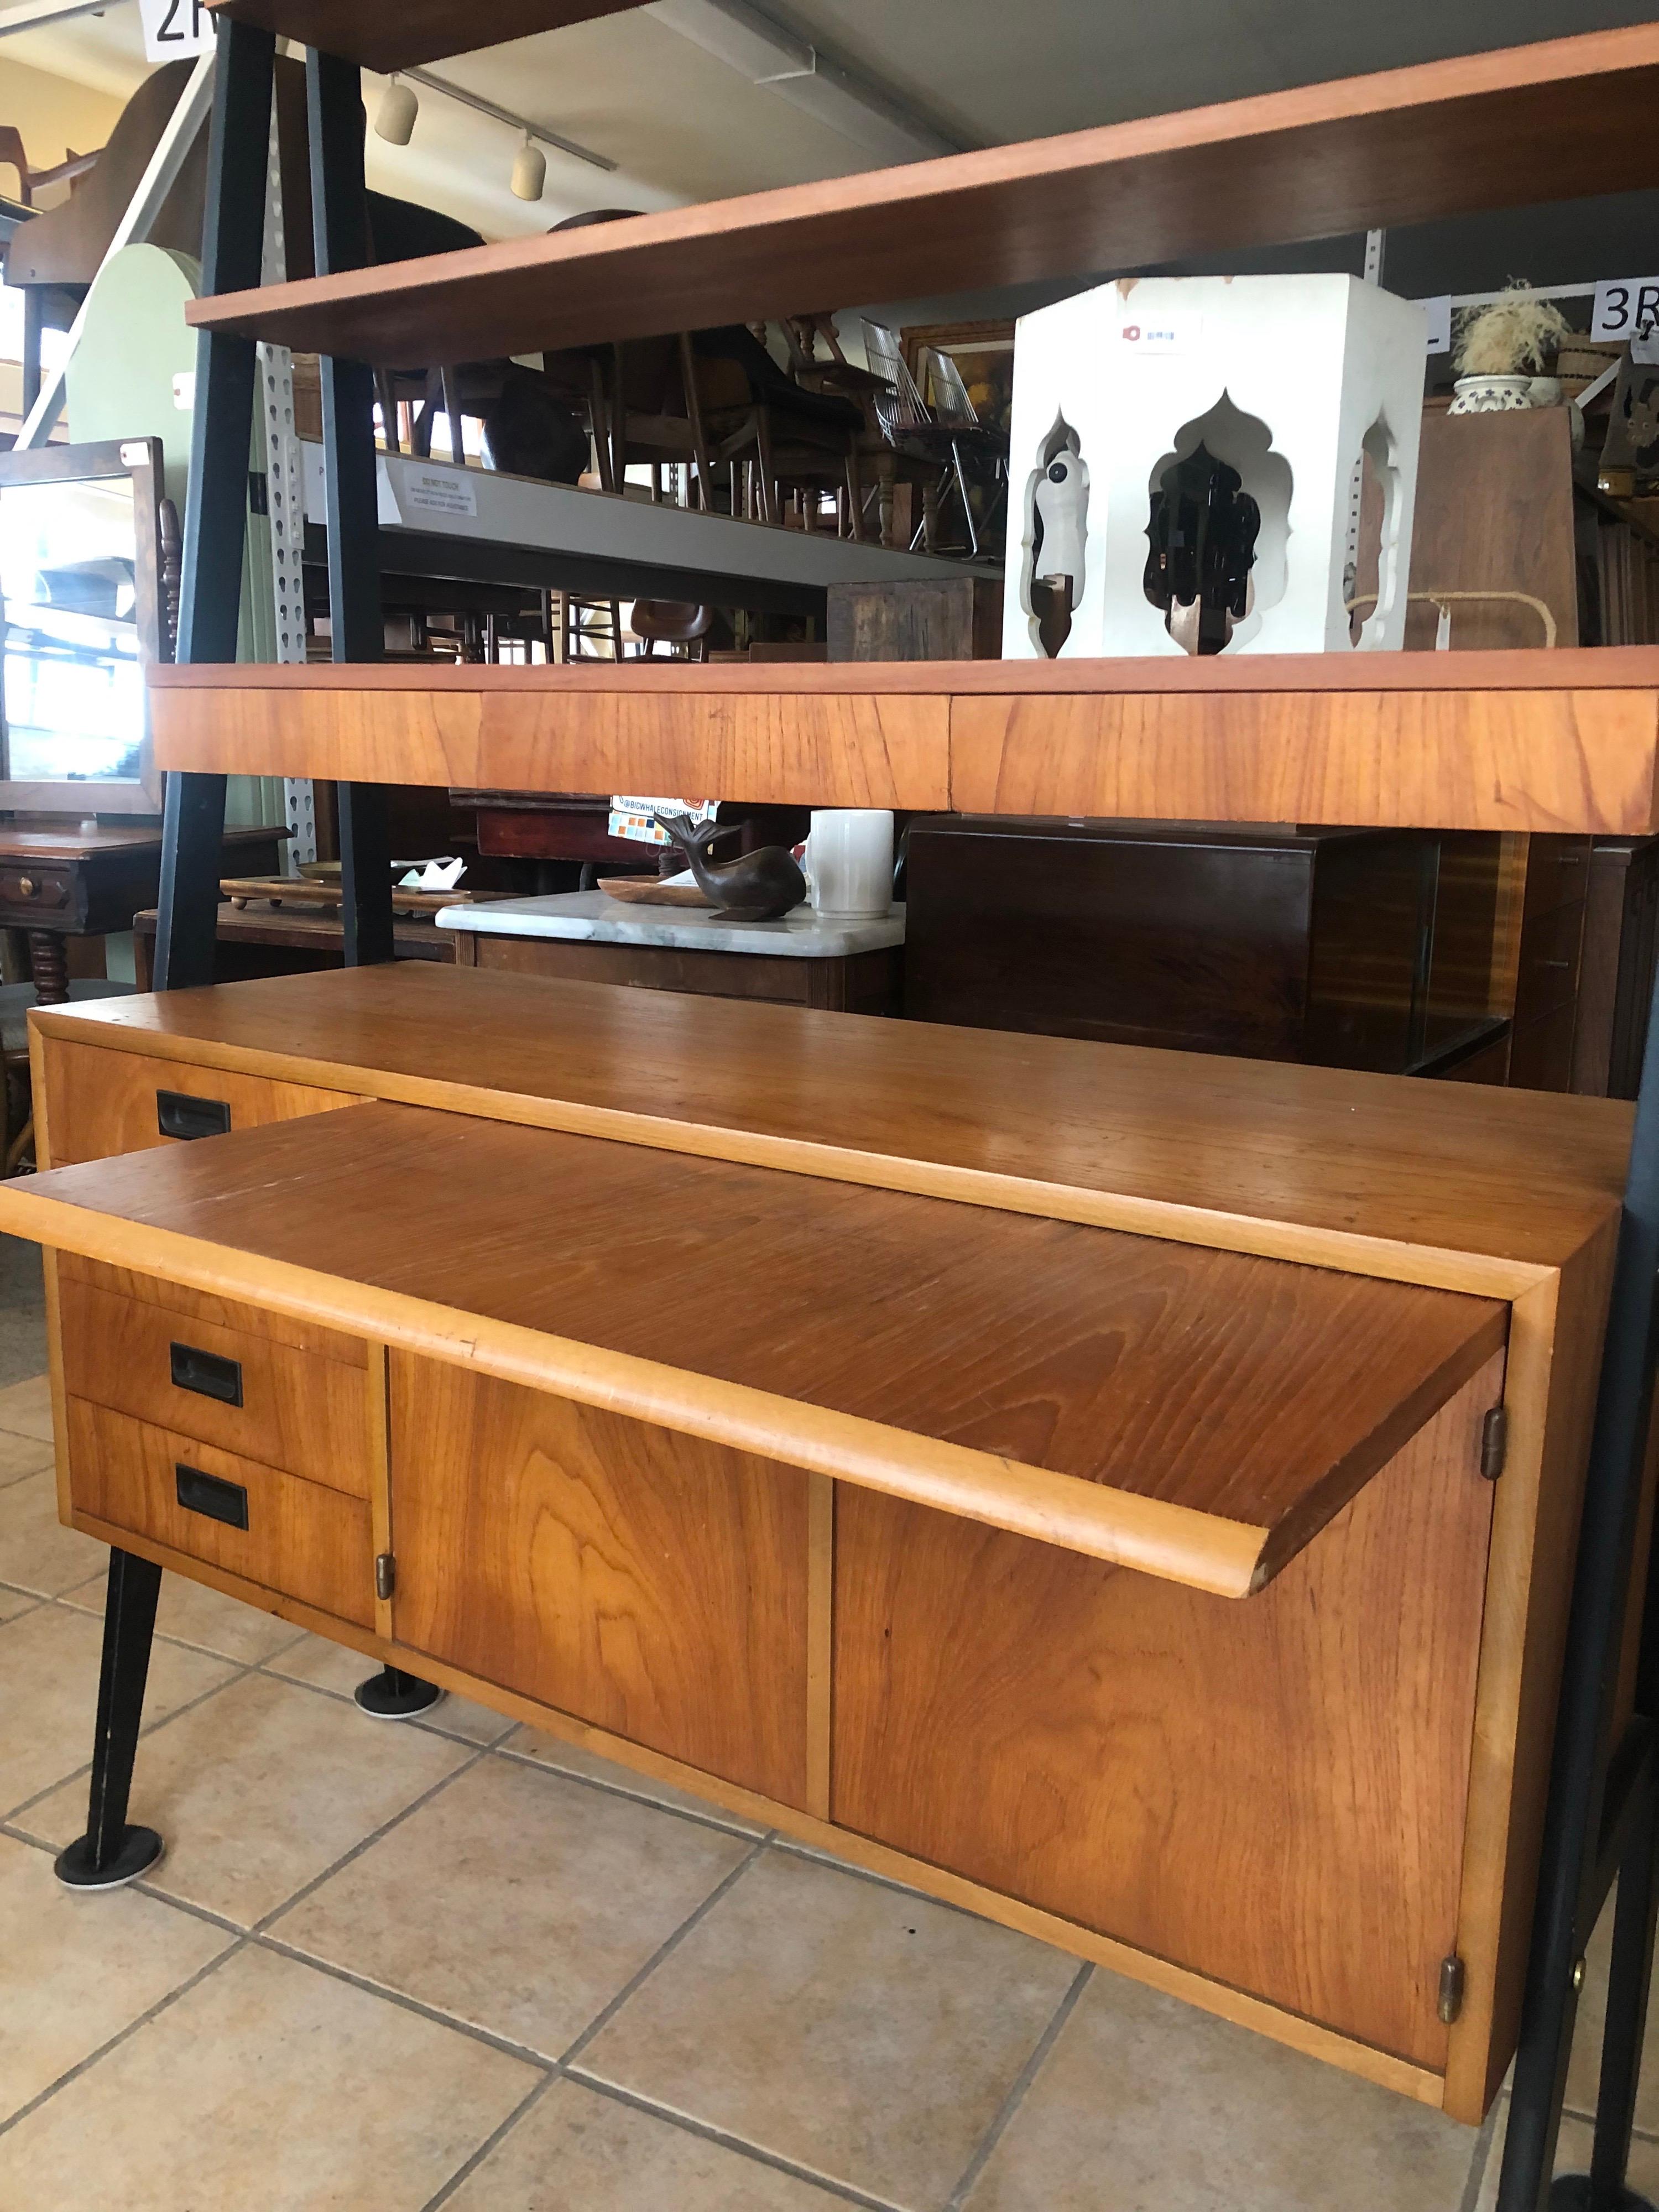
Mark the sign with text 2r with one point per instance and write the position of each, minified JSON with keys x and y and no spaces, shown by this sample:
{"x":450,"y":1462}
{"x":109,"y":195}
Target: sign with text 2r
{"x":175,"y":29}
{"x":1623,"y":305}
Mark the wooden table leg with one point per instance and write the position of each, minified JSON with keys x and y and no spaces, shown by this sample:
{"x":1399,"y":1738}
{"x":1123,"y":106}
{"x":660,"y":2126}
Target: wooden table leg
{"x":49,"y":966}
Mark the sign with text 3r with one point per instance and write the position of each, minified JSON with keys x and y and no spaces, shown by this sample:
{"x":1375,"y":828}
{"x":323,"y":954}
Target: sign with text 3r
{"x":175,"y":29}
{"x":1623,"y":305}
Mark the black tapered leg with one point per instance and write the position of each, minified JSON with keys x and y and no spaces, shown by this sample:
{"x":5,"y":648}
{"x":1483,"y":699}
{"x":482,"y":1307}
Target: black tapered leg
{"x":392,"y":1695}
{"x":111,"y":1854}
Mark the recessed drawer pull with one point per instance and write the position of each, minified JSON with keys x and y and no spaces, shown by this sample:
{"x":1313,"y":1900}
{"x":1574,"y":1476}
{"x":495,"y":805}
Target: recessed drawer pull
{"x":177,"y":1115}
{"x":207,"y":1373}
{"x":207,"y":1494}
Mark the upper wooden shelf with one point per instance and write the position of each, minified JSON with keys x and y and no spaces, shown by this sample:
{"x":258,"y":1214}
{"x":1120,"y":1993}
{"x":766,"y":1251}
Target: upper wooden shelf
{"x":1196,"y":1414}
{"x":1557,"y":120}
{"x":394,"y":34}
{"x":1552,"y":741}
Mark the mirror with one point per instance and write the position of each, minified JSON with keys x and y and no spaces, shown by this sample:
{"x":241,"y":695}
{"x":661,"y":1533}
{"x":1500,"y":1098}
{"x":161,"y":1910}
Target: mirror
{"x":79,"y":589}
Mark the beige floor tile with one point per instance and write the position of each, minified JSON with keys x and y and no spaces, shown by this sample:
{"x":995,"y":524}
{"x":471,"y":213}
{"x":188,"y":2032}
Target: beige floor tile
{"x":261,"y":1789}
{"x":538,"y":1902}
{"x":268,"y":2087}
{"x":573,"y":1758}
{"x":1573,"y":2155}
{"x":14,"y":1602}
{"x":864,"y":2034}
{"x":49,"y":1664}
{"x":576,"y":2151}
{"x":335,"y":1667}
{"x":22,"y":1455}
{"x":191,"y":1612}
{"x":80,"y":1969}
{"x":26,"y":1408}
{"x":1144,"y":2103}
{"x":37,"y":1553}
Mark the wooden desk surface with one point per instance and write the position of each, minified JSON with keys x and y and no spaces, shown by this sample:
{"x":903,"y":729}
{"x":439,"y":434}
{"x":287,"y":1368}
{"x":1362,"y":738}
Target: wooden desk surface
{"x":961,"y":1354}
{"x":1463,"y":1186}
{"x":22,"y":841}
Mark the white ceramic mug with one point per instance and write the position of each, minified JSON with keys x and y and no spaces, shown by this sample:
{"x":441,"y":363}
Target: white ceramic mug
{"x":850,"y":861}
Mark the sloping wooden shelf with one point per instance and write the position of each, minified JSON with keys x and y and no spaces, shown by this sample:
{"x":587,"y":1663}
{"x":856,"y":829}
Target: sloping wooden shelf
{"x":394,"y":34}
{"x":1548,"y":741}
{"x":1557,"y":120}
{"x":1034,"y":1375}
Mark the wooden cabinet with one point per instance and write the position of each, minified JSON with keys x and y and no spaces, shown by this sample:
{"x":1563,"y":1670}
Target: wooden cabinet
{"x":1351,"y":949}
{"x":1058,"y":1477}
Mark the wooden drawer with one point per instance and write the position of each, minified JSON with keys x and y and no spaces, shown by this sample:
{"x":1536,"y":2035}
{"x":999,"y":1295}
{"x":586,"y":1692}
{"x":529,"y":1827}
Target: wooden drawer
{"x":1547,"y":975}
{"x":275,"y":1529}
{"x":1540,"y":1055}
{"x":43,"y":890}
{"x":100,"y":1103}
{"x":1558,"y":871}
{"x":219,"y":1372}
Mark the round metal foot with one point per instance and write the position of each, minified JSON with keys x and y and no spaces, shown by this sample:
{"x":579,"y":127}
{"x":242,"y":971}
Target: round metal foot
{"x":1571,"y":2192}
{"x":140,"y":1849}
{"x":392,"y":1695}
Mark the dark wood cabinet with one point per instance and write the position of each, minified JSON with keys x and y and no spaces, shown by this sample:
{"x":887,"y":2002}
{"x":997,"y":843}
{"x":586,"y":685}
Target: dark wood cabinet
{"x":1621,"y":932}
{"x":1367,"y":949}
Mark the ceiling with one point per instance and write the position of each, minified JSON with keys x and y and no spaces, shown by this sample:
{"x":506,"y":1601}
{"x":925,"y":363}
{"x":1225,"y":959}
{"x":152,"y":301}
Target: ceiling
{"x":683,"y":126}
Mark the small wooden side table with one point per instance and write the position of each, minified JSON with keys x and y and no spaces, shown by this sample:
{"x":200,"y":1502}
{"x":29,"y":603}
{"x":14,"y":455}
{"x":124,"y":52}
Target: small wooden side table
{"x":852,"y":967}
{"x":57,"y":883}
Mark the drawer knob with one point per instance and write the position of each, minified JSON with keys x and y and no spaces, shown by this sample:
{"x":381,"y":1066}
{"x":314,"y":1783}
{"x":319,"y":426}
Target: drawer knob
{"x":209,"y":1495}
{"x":27,"y":887}
{"x":177,"y":1115}
{"x":207,"y":1374}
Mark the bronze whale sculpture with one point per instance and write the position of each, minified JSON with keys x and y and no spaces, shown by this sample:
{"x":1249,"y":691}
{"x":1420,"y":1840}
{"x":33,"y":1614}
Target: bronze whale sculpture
{"x":761,"y":886}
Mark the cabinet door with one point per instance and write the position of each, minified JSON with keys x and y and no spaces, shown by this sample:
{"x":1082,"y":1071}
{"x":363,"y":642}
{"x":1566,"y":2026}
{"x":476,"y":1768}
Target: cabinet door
{"x":650,"y":1583}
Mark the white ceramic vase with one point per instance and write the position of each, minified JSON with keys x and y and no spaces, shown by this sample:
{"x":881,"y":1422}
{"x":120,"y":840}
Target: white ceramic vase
{"x":1490,"y":395}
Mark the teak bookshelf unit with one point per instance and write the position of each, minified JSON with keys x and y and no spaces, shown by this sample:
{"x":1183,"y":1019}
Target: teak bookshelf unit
{"x":1467,"y":1511}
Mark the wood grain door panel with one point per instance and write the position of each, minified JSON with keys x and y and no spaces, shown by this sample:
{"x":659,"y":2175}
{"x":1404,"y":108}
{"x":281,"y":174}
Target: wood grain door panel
{"x":1271,"y":1793}
{"x":650,"y":1583}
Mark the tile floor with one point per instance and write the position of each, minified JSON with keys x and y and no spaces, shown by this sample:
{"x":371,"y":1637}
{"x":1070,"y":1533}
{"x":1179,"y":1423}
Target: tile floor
{"x":456,"y":1963}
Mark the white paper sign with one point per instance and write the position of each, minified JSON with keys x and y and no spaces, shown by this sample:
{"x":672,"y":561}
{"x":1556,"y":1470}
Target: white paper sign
{"x":1164,"y":334}
{"x":440,"y":491}
{"x":174,"y":29}
{"x":1623,"y":305}
{"x":1439,"y":314}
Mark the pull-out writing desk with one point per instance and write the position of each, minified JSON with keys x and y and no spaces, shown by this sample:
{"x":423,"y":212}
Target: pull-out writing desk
{"x":1130,"y":1497}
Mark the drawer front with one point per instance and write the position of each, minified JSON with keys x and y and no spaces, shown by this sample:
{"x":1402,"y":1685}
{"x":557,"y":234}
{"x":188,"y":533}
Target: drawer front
{"x":100,"y":1103}
{"x":234,"y":1387}
{"x":44,"y":890}
{"x":275,"y":1529}
{"x":1558,"y":871}
{"x":1547,"y":975}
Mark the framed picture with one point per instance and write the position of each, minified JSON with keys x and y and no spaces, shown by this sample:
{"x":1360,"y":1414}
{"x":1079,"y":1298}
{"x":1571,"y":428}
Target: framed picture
{"x":81,"y":616}
{"x":983,"y":354}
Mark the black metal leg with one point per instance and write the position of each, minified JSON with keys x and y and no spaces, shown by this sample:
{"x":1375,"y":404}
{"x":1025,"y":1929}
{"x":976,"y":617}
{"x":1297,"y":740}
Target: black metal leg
{"x":392,"y":1695}
{"x":1571,"y":1882}
{"x":1628,"y":1974}
{"x":111,"y":1854}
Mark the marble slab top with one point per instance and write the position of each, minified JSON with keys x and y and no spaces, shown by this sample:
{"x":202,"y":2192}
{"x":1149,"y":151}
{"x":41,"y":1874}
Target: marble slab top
{"x":802,"y":935}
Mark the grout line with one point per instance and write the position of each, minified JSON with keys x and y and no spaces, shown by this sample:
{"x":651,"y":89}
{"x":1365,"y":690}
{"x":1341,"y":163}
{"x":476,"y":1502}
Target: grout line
{"x":337,"y":1865}
{"x":1015,"y":2096}
{"x":492,"y":2142}
{"x":404,"y":2003}
{"x":699,"y":1818}
{"x":125,"y":2035}
{"x":1481,"y":2157}
{"x":603,"y":2018}
{"x":848,"y":2191}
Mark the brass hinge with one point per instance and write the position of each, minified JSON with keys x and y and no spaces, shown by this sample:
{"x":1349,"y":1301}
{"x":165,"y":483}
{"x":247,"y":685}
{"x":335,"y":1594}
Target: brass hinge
{"x":1451,"y":1988}
{"x":386,"y":1576}
{"x":1494,"y":1442}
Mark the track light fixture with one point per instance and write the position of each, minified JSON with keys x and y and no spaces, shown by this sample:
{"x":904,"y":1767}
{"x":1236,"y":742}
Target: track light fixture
{"x":394,"y":117}
{"x":529,"y":171}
